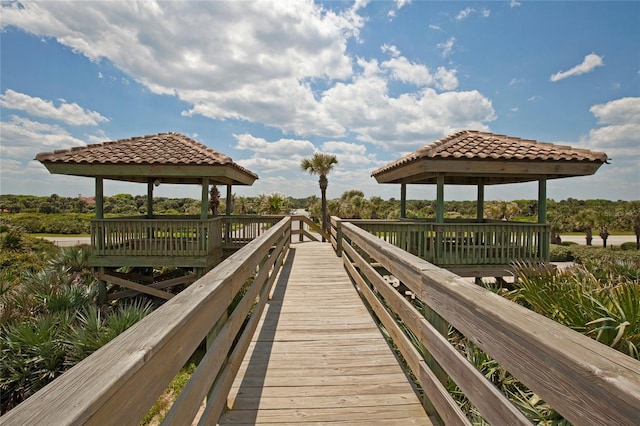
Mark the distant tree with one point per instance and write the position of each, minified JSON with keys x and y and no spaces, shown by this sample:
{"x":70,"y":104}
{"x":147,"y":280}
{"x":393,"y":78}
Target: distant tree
{"x":321,"y":164}
{"x":274,"y":203}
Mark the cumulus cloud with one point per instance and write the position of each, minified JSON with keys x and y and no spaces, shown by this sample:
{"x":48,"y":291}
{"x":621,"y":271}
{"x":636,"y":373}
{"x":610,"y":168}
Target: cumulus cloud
{"x":590,"y":62}
{"x":259,"y":57}
{"x":24,"y":138}
{"x":282,"y":64}
{"x":619,"y":135}
{"x":72,"y":114}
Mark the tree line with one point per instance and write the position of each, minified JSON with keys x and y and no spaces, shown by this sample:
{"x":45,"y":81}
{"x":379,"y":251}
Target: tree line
{"x":69,"y":215}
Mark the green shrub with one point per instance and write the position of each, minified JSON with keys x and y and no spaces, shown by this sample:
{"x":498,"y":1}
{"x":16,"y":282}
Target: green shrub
{"x":560,"y":253}
{"x":599,"y":300}
{"x":629,"y":245}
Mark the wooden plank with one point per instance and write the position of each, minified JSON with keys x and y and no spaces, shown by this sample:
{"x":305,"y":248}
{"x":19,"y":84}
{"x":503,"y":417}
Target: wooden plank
{"x":134,"y":286}
{"x":318,"y":356}
{"x":599,"y":384}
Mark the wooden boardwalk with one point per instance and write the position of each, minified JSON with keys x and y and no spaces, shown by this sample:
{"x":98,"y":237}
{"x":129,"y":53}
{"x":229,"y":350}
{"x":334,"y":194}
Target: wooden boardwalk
{"x":318,"y":357}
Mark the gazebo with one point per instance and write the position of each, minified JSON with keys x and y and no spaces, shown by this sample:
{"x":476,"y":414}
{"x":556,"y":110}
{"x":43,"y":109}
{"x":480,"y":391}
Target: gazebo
{"x":151,"y":240}
{"x":469,"y":157}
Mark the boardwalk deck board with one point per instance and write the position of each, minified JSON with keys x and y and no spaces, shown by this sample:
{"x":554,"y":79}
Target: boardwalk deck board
{"x":318,"y":356}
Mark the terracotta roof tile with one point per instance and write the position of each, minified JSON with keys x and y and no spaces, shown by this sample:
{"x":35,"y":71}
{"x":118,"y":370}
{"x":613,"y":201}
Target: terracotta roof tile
{"x":472,"y":144}
{"x":162,"y":148}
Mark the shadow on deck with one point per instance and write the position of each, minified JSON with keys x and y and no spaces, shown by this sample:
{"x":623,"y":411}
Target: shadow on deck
{"x":318,"y":355}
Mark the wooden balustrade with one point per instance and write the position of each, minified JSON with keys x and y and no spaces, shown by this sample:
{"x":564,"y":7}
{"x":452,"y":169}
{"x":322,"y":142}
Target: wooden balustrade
{"x":120,"y":382}
{"x":463,"y":247}
{"x":154,"y":237}
{"x":585,"y":381}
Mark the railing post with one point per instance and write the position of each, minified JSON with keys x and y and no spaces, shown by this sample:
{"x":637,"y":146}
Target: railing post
{"x":338,"y":236}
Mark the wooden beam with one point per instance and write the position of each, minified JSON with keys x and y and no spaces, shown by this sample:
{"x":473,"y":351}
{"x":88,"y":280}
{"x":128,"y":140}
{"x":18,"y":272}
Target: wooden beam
{"x":186,"y":279}
{"x":520,"y":170}
{"x":187,"y":173}
{"x":134,"y":286}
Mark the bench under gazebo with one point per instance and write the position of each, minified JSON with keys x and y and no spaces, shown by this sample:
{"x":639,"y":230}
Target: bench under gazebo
{"x":151,"y":240}
{"x":480,"y":247}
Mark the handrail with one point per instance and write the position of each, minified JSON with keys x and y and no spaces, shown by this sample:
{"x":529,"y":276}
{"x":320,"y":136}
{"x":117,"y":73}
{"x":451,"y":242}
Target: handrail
{"x":585,"y":381}
{"x":120,"y":382}
{"x":302,"y":220}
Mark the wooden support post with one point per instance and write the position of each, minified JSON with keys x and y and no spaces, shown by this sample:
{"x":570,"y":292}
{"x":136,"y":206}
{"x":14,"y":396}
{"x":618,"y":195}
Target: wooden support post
{"x":440,"y":199}
{"x":480,"y":204}
{"x":403,"y":200}
{"x":542,"y":201}
{"x":229,"y":207}
{"x":99,"y":198}
{"x":150,"y":199}
{"x":542,"y":218}
{"x":204,"y":207}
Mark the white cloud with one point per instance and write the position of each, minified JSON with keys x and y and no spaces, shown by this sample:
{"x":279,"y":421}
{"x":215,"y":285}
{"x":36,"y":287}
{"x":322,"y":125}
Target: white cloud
{"x":446,"y":46}
{"x":619,"y":111}
{"x":260,"y":55}
{"x":72,"y":114}
{"x":464,"y":14}
{"x":514,"y":3}
{"x":402,"y":69}
{"x":590,"y":62}
{"x":619,"y":138}
{"x":282,"y":64}
{"x":399,"y":4}
{"x":24,"y":138}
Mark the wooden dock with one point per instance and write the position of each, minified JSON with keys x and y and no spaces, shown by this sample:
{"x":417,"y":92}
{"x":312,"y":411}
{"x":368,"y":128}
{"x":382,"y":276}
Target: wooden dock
{"x":318,"y":356}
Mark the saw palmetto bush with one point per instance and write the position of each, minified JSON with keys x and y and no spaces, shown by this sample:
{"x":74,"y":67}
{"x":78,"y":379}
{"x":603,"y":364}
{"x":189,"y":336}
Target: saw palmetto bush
{"x":50,"y":319}
{"x":603,"y":304}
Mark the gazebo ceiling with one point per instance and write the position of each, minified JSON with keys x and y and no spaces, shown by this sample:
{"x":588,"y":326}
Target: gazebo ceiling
{"x":162,"y":158}
{"x":472,"y":157}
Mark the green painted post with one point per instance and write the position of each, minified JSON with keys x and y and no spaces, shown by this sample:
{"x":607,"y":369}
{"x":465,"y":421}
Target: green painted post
{"x":440,"y":199}
{"x":480,"y":203}
{"x":542,"y":217}
{"x":403,"y":200}
{"x":99,"y":198}
{"x":150,"y":199}
{"x":542,"y":201}
{"x":204,"y":206}
{"x":98,"y":240}
{"x":229,"y":207}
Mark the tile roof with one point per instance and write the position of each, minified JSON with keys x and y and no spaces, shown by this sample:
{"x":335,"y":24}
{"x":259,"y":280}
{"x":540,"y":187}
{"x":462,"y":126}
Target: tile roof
{"x":476,"y":145}
{"x":471,"y":157}
{"x":159,"y":149}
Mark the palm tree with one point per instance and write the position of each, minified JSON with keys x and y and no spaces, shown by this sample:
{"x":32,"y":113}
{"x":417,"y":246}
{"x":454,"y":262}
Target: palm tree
{"x":321,"y":164}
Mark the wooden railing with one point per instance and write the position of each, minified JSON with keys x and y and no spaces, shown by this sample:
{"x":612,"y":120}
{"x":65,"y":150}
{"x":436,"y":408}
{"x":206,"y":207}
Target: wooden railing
{"x":239,"y":230}
{"x":463,"y":244}
{"x":121,"y":381}
{"x":180,"y":240}
{"x":163,"y":236}
{"x":585,"y":381}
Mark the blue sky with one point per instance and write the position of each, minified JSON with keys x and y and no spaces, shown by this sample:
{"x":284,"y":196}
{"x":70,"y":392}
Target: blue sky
{"x":270,"y":83}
